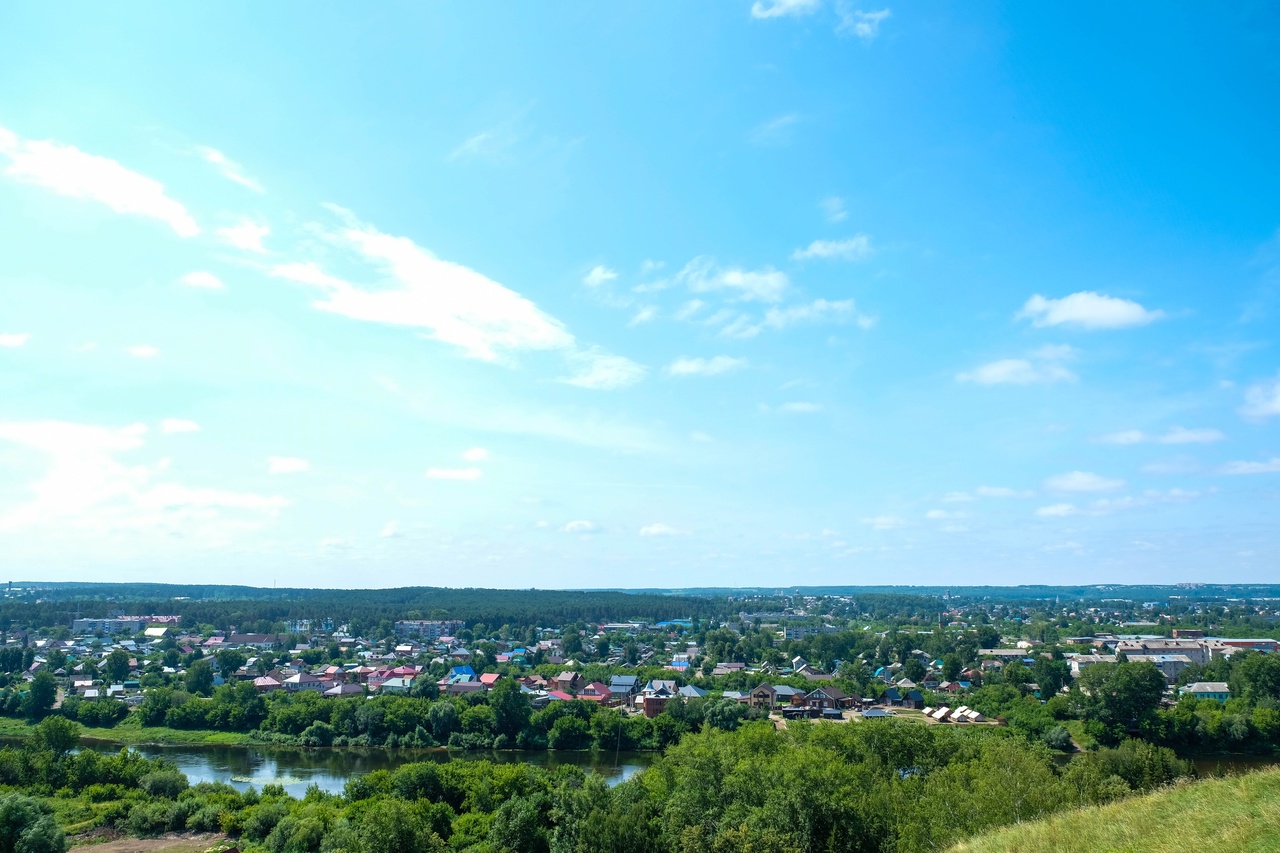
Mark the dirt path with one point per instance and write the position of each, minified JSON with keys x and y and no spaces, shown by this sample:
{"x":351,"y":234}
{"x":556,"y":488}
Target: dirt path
{"x":171,"y":843}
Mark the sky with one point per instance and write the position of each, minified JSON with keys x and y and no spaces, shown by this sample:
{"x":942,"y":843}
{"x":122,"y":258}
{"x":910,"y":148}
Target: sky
{"x":640,"y":295}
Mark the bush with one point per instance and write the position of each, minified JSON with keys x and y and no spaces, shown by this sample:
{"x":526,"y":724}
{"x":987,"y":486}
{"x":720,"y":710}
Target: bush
{"x":1059,"y":738}
{"x":146,"y":819}
{"x":164,"y":783}
{"x":26,"y":828}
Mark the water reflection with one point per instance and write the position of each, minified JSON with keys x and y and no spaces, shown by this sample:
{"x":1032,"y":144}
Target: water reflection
{"x":297,"y":769}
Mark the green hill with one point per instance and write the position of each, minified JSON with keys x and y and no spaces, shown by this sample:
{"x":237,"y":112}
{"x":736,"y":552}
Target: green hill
{"x":1237,"y":813}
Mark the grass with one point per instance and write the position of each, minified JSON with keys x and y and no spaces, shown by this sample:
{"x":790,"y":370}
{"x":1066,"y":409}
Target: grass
{"x":1237,"y":813}
{"x":130,"y":732}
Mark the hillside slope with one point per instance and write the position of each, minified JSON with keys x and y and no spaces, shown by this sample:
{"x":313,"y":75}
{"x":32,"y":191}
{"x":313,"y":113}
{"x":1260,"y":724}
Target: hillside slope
{"x":1238,"y":813}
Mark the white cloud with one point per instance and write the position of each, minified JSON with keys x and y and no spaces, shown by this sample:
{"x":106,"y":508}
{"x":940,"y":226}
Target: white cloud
{"x":598,"y":276}
{"x":698,"y":435}
{"x":455,"y":304}
{"x":602,"y":371}
{"x":287,"y":465}
{"x":1001,"y":492}
{"x":142,"y":351}
{"x":1128,"y":436}
{"x":1016,"y":371}
{"x":705,"y":366}
{"x":466,"y":474}
{"x":246,"y":235}
{"x":644,"y":315}
{"x":1057,"y":511}
{"x":71,"y":172}
{"x":833,"y":208}
{"x":784,"y":8}
{"x":659,"y":530}
{"x":581,"y":526}
{"x":1179,"y":435}
{"x":942,"y":515}
{"x":13,"y":340}
{"x":390,"y":530}
{"x":475,"y":454}
{"x":1175,"y":435}
{"x":702,"y":275}
{"x":800,"y":408}
{"x":688,"y":309}
{"x":855,"y":22}
{"x":1087,"y":310}
{"x":178,"y":425}
{"x":88,"y":487}
{"x":203,"y":280}
{"x":817,"y":311}
{"x":855,"y":248}
{"x":957,"y":497}
{"x":1262,"y":400}
{"x":230,"y":169}
{"x":884,"y":522}
{"x":1271,"y":466}
{"x":1081,"y":481}
{"x":776,"y":131}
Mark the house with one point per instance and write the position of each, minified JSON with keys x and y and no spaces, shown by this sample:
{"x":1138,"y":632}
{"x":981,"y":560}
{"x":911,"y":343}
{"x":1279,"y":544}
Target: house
{"x":890,"y":697}
{"x":461,"y":688}
{"x":490,"y":678}
{"x":341,"y":691}
{"x":1218,"y":690}
{"x":302,"y":681}
{"x":266,"y":684}
{"x":569,"y":681}
{"x":772,"y":696}
{"x":560,"y":696}
{"x":623,"y":687}
{"x":875,"y":714}
{"x":689,"y":691}
{"x":829,"y":698}
{"x":913,"y":699}
{"x":397,"y":684}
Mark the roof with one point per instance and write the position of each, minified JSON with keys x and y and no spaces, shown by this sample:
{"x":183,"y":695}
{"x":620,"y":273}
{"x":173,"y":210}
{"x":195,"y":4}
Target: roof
{"x":624,"y":681}
{"x":1208,"y":687}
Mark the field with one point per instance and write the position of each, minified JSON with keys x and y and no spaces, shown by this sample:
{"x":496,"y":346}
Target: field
{"x":131,"y":733}
{"x":1237,"y":813}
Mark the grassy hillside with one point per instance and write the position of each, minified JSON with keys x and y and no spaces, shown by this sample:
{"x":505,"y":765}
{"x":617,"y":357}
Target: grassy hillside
{"x":1237,"y":813}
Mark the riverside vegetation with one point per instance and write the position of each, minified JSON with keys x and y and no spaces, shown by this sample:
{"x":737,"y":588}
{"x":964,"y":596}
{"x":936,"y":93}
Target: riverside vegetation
{"x":870,"y":786}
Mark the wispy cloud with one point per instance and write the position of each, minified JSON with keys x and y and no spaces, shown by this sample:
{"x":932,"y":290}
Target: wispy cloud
{"x":143,"y":351}
{"x":287,"y":465}
{"x":246,"y":235}
{"x":800,"y":407}
{"x":598,"y":276}
{"x":784,"y":8}
{"x":855,"y":248}
{"x":703,"y":275}
{"x":884,"y":522}
{"x":13,"y":340}
{"x":645,"y":315}
{"x":1262,"y":400}
{"x":475,"y":454}
{"x":1086,"y":310}
{"x":202,"y":280}
{"x":705,"y":366}
{"x":660,"y":530}
{"x":603,"y":371}
{"x":463,"y":474}
{"x":230,"y":169}
{"x":1001,"y":492}
{"x":178,"y":425}
{"x":88,"y":487}
{"x":776,"y":131}
{"x":1270,"y":466}
{"x":1175,"y":435}
{"x":1016,"y":371}
{"x":1057,"y":511}
{"x":71,"y":172}
{"x":855,"y":22}
{"x":833,"y":208}
{"x":581,"y":526}
{"x":1082,"y":481}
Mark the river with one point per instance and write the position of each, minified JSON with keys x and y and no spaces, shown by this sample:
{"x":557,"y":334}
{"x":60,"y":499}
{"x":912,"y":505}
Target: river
{"x":297,"y":769}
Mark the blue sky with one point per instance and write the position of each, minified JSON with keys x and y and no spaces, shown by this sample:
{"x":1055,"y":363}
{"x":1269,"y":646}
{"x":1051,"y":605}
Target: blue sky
{"x":670,"y":294}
